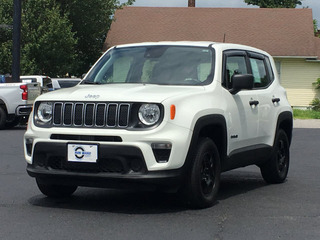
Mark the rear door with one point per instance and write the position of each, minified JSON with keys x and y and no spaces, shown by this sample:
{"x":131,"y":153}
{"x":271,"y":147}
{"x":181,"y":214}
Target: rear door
{"x":267,"y":95}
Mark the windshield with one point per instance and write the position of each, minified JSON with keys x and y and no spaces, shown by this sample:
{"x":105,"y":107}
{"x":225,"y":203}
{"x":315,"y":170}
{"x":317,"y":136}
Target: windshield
{"x":164,"y":65}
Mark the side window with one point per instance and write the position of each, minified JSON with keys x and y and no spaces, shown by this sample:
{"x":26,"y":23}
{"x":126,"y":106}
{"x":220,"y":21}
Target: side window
{"x":259,"y":73}
{"x":234,"y":65}
{"x":268,"y":64}
{"x":278,"y":66}
{"x":261,"y":70}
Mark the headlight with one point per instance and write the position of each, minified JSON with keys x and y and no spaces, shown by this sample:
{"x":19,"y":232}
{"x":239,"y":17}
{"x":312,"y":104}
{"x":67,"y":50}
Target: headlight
{"x":149,"y":114}
{"x":44,"y":112}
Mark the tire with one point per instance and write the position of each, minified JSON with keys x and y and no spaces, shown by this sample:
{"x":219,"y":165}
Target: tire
{"x":203,"y":181}
{"x":3,"y":118}
{"x":55,"y":191}
{"x":276,"y":169}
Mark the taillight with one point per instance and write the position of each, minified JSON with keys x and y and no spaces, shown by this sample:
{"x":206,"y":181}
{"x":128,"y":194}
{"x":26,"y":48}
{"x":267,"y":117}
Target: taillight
{"x":25,"y":92}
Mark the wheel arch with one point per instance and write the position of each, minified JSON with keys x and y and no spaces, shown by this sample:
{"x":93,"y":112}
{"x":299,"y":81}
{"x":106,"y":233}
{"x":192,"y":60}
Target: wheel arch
{"x":285,"y":122}
{"x":3,"y":105}
{"x":211,"y":126}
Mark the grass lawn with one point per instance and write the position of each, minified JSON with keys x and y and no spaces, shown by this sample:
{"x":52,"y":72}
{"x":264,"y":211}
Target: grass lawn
{"x":305,"y":114}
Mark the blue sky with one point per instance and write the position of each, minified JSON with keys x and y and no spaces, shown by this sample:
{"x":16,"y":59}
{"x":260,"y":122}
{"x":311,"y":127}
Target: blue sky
{"x":314,"y":4}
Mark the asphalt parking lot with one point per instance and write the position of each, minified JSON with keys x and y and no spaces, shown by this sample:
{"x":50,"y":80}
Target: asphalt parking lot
{"x":247,"y":207}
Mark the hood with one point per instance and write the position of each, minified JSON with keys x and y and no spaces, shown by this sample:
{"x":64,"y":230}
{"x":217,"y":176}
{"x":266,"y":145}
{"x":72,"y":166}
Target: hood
{"x":120,"y":93}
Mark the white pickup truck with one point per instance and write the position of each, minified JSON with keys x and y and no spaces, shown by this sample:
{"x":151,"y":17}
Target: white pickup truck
{"x":16,"y":101}
{"x":44,"y":81}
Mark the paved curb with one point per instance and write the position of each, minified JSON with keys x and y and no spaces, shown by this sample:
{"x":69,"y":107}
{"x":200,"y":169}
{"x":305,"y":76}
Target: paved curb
{"x":306,"y":123}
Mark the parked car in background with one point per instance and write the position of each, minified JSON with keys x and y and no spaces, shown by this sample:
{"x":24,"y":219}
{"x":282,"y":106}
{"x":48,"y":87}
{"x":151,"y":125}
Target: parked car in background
{"x":16,"y":101}
{"x":2,"y":78}
{"x":58,"y":83}
{"x":44,"y":81}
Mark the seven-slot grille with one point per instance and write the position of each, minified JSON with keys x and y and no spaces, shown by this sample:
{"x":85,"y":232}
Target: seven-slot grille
{"x":111,"y":115}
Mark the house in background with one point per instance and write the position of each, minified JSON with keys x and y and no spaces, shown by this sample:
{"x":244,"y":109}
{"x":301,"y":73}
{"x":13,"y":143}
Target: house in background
{"x":287,"y":34}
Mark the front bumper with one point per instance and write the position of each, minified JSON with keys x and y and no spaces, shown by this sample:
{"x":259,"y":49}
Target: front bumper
{"x":147,"y":142}
{"x":125,"y":158}
{"x":116,"y":167}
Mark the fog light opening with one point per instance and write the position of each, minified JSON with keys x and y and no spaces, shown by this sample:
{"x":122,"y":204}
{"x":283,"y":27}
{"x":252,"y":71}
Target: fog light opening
{"x":29,"y":144}
{"x":161,"y":146}
{"x":161,"y":151}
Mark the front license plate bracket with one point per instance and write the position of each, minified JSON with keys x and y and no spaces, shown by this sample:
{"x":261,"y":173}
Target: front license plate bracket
{"x":86,"y":153}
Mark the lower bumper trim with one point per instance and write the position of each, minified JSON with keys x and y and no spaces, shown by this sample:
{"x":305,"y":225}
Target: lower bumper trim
{"x":170,"y":179}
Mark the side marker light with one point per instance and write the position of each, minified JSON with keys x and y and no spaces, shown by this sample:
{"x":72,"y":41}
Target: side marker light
{"x":172,"y":111}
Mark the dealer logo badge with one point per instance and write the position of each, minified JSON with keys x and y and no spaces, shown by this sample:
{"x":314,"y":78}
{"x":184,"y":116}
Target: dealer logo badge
{"x":79,"y":152}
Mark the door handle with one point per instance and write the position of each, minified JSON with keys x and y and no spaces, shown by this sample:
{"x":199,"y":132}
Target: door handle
{"x":275,"y":100}
{"x":254,"y":102}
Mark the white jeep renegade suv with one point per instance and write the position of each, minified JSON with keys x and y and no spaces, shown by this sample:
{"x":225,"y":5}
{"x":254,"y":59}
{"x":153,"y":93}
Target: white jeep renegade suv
{"x":169,"y":115}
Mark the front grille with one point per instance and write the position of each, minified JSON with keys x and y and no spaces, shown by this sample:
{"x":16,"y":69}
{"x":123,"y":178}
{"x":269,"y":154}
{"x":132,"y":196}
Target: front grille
{"x":110,"y":115}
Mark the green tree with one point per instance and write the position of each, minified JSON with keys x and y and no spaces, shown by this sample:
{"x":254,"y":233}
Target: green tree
{"x":47,"y":42}
{"x":6,"y":13}
{"x":274,"y":3}
{"x":57,"y":36}
{"x":315,"y":104}
{"x":91,"y":20}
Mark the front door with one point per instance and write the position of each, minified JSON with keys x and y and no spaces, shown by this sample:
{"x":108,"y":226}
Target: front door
{"x":243,"y":110}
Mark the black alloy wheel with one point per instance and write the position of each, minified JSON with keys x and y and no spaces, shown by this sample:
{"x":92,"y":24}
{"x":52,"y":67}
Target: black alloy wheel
{"x":202,"y":184}
{"x":275,"y":170}
{"x":207,"y":174}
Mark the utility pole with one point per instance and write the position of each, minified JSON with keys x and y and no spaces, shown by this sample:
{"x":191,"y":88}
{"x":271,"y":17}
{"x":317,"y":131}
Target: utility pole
{"x":16,"y":40}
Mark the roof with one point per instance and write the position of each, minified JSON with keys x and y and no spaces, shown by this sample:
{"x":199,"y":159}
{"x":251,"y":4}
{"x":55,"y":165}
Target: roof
{"x":216,"y":45}
{"x":280,"y":32}
{"x":170,"y":43}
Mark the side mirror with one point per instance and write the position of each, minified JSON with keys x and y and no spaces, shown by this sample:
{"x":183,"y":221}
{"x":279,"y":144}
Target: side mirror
{"x":241,"y":82}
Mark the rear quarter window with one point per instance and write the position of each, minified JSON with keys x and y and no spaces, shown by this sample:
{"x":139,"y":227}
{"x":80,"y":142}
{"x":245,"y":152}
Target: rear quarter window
{"x":261,"y":70}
